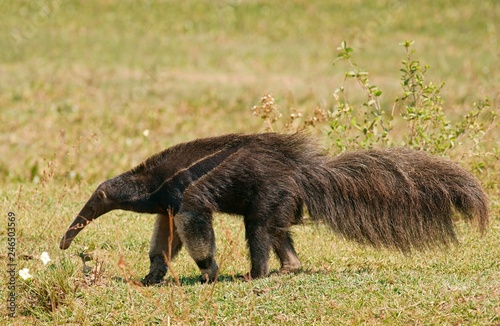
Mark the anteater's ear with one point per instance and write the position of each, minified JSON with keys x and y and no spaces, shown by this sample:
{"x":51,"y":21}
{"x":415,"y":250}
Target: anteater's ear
{"x":101,"y":194}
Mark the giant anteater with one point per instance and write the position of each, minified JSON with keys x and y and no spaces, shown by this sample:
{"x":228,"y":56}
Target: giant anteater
{"x":394,"y":198}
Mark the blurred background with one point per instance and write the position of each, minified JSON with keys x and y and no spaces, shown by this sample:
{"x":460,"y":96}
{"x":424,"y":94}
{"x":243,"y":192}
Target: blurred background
{"x":92,"y":88}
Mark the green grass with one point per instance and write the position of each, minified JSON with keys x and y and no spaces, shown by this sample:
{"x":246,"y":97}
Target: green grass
{"x":340,"y":282}
{"x":90,"y":89}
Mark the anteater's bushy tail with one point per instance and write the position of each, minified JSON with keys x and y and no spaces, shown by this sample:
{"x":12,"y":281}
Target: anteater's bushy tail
{"x":395,"y":198}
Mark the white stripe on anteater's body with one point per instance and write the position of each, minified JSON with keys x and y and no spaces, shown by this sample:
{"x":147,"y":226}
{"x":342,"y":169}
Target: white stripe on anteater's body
{"x":395,"y":198}
{"x":169,"y":193}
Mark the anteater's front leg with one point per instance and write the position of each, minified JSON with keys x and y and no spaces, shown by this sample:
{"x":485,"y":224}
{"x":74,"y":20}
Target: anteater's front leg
{"x":164,"y":242}
{"x":196,"y":232}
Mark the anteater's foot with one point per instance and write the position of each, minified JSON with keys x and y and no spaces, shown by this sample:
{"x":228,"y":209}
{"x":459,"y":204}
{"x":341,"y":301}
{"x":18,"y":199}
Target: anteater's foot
{"x":153,"y":278}
{"x":290,"y":267}
{"x":157,"y":270}
{"x":209,"y":275}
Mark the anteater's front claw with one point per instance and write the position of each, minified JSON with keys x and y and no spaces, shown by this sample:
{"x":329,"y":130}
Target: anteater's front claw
{"x":153,"y":278}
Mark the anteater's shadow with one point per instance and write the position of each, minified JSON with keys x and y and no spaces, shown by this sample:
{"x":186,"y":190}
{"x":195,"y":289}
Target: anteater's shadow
{"x":194,"y":280}
{"x":183,"y":280}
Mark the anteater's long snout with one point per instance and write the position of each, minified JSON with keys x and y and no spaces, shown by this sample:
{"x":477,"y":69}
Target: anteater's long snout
{"x":78,"y":224}
{"x":96,"y":206}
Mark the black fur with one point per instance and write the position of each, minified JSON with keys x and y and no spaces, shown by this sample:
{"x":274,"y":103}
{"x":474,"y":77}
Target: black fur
{"x":395,"y":198}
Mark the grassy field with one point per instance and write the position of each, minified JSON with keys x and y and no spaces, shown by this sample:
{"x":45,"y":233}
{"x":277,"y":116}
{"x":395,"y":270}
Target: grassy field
{"x":88,"y":89}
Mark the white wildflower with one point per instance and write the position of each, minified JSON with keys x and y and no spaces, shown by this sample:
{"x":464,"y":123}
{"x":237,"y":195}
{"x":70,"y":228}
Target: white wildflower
{"x":25,"y":273}
{"x":45,"y":257}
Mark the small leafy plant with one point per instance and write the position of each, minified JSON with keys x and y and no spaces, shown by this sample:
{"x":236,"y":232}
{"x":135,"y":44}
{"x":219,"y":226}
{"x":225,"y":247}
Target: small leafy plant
{"x":422,"y":107}
{"x":417,"y":114}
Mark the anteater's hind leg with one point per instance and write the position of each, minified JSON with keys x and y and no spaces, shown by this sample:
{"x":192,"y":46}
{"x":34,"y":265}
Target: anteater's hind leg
{"x":164,"y":241}
{"x":283,"y":247}
{"x":259,"y":244}
{"x":196,"y":232}
{"x":269,"y":228}
{"x":282,"y":238}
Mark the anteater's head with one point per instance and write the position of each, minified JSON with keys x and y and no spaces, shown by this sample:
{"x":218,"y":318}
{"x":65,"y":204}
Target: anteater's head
{"x":116,"y":193}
